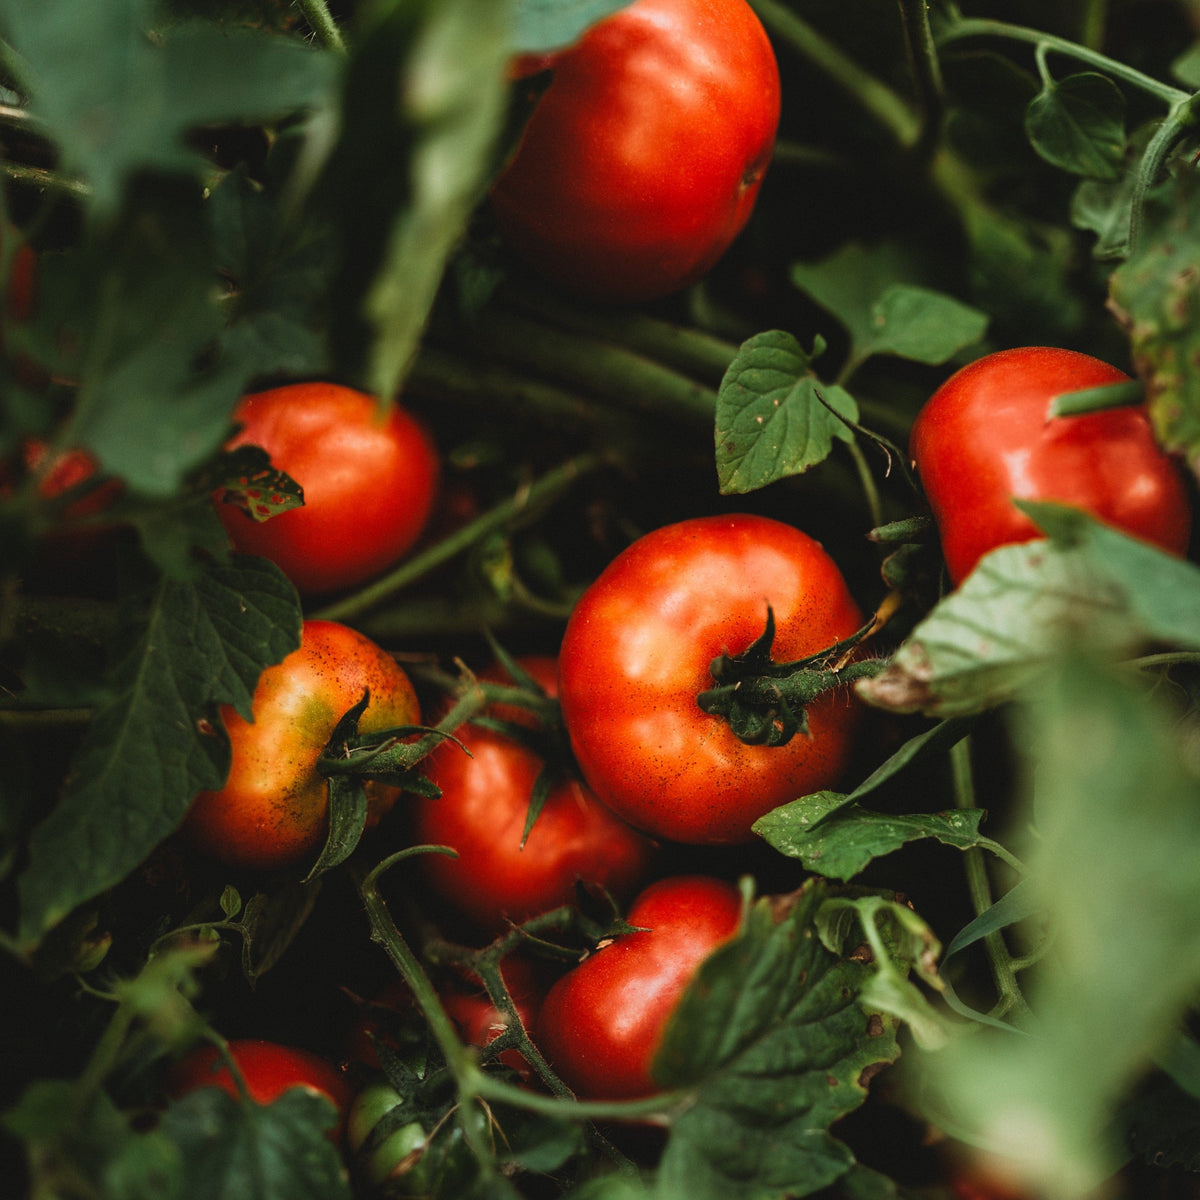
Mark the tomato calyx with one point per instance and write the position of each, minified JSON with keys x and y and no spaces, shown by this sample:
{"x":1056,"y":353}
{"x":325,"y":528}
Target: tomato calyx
{"x":764,"y":701}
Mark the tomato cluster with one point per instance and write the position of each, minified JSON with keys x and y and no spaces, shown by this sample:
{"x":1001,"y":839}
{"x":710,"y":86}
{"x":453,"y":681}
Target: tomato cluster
{"x":567,"y":823}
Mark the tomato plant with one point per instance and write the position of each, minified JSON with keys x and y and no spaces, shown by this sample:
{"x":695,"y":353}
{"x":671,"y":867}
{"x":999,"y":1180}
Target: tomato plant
{"x":272,"y":811}
{"x":500,"y":873}
{"x":369,"y":475}
{"x":986,"y":437}
{"x":643,"y":159}
{"x":268,"y":1069}
{"x":637,"y":651}
{"x":601,"y":1024}
{"x":578,"y":414}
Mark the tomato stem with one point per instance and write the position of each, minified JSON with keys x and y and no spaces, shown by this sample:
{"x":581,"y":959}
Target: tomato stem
{"x":984,"y":27}
{"x":926,"y":69}
{"x":1003,"y":972}
{"x":621,"y":376}
{"x":522,"y":505}
{"x":702,"y":355}
{"x":320,"y":20}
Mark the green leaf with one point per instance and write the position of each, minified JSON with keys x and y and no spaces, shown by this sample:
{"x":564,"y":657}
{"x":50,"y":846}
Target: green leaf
{"x":281,"y":266}
{"x":798,"y":818}
{"x":246,"y":478}
{"x":117,"y":101}
{"x":1156,"y":297}
{"x":153,"y":402}
{"x":198,"y":645}
{"x":899,"y":944}
{"x":923,"y":325}
{"x":773,"y":414}
{"x":842,"y":845}
{"x":543,"y":25}
{"x":869,"y":293}
{"x":1115,"y":804}
{"x":1078,"y":124}
{"x":178,"y":535}
{"x":771,"y":1041}
{"x":423,"y":110}
{"x":245,"y":1151}
{"x":1023,"y":604}
{"x":93,"y":1144}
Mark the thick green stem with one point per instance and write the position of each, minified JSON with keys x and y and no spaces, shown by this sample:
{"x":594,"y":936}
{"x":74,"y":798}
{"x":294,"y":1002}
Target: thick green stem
{"x":622,"y":377}
{"x":1095,"y":17}
{"x":1180,"y":121}
{"x":980,"y":887}
{"x":528,"y":501}
{"x":926,"y":69}
{"x":699,"y":354}
{"x":320,"y":21}
{"x":489,"y":387}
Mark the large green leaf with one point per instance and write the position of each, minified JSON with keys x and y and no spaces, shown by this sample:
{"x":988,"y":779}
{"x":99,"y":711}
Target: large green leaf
{"x":246,"y":1151}
{"x":1115,"y":803}
{"x":281,"y":265}
{"x":423,"y":110}
{"x":117,"y":101}
{"x":139,"y":304}
{"x":1022,"y":604}
{"x":198,"y":644}
{"x":776,"y":1049}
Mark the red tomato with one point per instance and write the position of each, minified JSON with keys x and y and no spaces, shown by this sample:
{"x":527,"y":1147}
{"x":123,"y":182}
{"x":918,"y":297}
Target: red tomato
{"x":636,"y":653}
{"x":481,"y":814}
{"x":643,"y":159}
{"x":984,"y":438}
{"x":268,"y":1068}
{"x":273,"y":810}
{"x":68,"y":470}
{"x":601,"y":1024}
{"x":369,"y":480}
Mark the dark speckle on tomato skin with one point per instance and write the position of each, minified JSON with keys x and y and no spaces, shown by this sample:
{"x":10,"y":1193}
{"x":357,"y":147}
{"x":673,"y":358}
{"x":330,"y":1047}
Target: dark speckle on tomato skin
{"x":272,"y":811}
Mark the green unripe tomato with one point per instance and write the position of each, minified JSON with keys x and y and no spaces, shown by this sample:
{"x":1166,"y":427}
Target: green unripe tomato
{"x":393,"y":1155}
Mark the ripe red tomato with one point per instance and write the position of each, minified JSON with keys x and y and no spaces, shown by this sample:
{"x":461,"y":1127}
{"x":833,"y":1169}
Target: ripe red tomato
{"x":481,"y":814}
{"x":369,"y":480}
{"x":272,"y":811}
{"x":636,"y":654}
{"x":984,"y":438}
{"x":601,"y":1024}
{"x":268,"y":1068}
{"x":643,"y":159}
